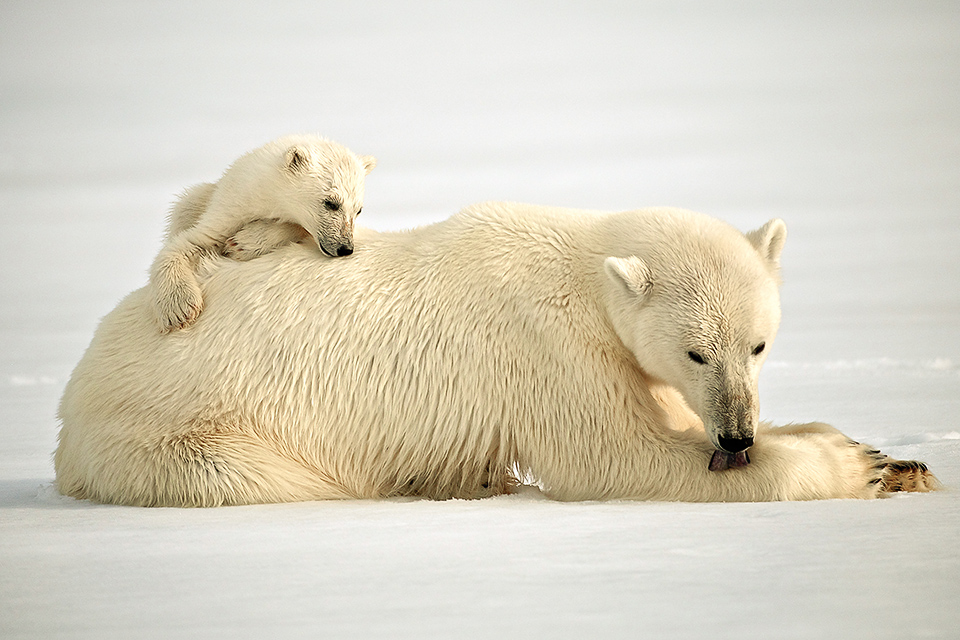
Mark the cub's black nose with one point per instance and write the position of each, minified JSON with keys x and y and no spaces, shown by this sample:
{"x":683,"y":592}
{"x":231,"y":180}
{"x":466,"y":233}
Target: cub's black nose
{"x":344,"y":250}
{"x":735,"y":445}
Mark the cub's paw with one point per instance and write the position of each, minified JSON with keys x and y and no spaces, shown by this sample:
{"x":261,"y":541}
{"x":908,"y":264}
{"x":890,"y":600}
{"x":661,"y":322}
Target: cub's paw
{"x":907,"y":475}
{"x":233,"y":249}
{"x":260,"y":238}
{"x":178,"y":308}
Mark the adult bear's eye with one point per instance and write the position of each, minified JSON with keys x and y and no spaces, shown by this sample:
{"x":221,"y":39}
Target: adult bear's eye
{"x":333,"y":205}
{"x":759,"y":348}
{"x":359,"y":210}
{"x":696,"y":357}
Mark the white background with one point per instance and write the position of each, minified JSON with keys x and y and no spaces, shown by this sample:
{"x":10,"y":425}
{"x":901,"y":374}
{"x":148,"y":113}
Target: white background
{"x":843,"y":118}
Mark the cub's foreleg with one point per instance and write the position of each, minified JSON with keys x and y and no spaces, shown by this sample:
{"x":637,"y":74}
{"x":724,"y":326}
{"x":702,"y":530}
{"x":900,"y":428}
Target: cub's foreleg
{"x":177,"y":299}
{"x":261,"y":237}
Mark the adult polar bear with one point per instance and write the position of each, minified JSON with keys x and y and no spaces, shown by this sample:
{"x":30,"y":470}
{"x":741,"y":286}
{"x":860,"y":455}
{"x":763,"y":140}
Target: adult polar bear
{"x":439,"y":361}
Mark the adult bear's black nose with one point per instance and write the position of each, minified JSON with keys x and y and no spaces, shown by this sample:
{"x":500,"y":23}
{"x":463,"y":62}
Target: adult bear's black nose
{"x":344,"y":250}
{"x":735,"y":445}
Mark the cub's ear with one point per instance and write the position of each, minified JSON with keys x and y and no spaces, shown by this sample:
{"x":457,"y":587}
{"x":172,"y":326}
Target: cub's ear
{"x":296,"y":160}
{"x":768,"y":240}
{"x":631,"y":274}
{"x":368,"y":162}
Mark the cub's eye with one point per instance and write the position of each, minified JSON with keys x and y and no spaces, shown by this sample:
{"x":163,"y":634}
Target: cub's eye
{"x":759,"y":348}
{"x":333,"y":205}
{"x":696,"y":357}
{"x":359,"y":210}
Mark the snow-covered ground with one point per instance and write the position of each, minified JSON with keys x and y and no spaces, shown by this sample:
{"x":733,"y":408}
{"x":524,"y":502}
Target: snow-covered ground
{"x":843,"y":118}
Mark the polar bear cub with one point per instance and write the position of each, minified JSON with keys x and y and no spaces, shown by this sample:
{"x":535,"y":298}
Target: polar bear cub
{"x":291,"y":189}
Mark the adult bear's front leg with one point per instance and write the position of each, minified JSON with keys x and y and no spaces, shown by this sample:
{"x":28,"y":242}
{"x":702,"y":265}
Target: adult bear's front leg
{"x":810,"y":461}
{"x":817,"y":461}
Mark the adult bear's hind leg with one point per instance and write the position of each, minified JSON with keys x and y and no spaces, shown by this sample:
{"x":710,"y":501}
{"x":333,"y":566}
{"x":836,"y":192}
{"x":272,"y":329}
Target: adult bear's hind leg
{"x":213,"y":465}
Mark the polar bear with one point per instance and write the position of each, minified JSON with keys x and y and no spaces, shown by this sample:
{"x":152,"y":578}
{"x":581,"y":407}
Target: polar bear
{"x":602,"y":355}
{"x":293,"y":188}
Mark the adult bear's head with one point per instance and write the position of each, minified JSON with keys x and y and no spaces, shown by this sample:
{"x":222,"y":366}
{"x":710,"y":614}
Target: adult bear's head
{"x":697,"y":303}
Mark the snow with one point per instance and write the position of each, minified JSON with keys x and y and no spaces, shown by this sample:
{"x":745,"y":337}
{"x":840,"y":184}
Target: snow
{"x":843,"y":118}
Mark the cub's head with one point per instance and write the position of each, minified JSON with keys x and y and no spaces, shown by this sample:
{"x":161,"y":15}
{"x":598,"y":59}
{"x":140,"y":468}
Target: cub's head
{"x":699,"y":308}
{"x":323,"y":190}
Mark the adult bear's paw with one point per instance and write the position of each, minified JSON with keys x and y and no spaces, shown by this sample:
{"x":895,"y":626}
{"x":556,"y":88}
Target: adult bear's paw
{"x":907,"y":475}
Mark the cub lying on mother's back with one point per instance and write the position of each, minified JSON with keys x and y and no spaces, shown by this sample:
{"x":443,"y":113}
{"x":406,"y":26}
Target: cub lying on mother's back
{"x":288,"y":189}
{"x":602,"y":355}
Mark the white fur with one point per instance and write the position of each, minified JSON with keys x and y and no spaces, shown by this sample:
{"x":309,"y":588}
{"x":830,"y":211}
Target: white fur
{"x":442,"y":361}
{"x":274,"y":195}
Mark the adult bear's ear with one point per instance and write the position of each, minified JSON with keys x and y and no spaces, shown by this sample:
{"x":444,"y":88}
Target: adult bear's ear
{"x":631,"y":274}
{"x":768,"y":240}
{"x":296,"y":160}
{"x":368,"y":162}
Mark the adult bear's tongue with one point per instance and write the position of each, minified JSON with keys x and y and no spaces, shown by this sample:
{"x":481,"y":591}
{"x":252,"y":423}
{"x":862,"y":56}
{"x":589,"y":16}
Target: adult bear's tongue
{"x":722,"y":460}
